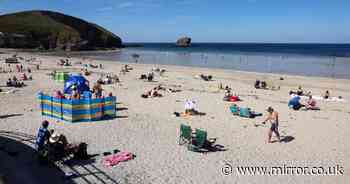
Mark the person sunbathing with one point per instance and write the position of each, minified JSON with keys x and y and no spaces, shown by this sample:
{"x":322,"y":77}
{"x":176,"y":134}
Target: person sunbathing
{"x":206,"y":77}
{"x":152,"y":93}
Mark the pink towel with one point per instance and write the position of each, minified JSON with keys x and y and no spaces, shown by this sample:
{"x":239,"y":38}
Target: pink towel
{"x":114,"y":159}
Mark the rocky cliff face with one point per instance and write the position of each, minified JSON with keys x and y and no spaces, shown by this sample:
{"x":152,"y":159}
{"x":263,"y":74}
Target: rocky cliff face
{"x":52,"y":30}
{"x":184,"y":42}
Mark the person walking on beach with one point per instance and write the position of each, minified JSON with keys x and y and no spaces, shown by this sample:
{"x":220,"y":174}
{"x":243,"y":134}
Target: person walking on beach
{"x":273,"y":118}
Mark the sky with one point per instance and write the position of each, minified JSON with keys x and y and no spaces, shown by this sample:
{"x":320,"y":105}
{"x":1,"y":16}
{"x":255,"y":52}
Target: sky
{"x":272,"y":21}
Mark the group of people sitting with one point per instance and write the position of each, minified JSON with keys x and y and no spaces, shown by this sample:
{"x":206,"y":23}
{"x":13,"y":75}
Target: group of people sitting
{"x":52,"y":146}
{"x":14,"y":82}
{"x":263,"y":85}
{"x":206,"y":77}
{"x":97,"y":92}
{"x":152,"y":93}
{"x":64,"y":62}
{"x":108,"y":79}
{"x":310,"y":103}
{"x":295,"y":103}
{"x":149,"y":77}
{"x":260,"y":84}
{"x":155,"y":91}
{"x":300,"y":92}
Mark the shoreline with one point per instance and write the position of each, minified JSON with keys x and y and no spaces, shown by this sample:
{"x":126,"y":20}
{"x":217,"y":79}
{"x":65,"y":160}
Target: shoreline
{"x":61,"y":54}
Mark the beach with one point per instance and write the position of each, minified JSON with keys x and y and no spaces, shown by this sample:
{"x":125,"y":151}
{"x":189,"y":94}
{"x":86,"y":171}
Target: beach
{"x":149,"y":129}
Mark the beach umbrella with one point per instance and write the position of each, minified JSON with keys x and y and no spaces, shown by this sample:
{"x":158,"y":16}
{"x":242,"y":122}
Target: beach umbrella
{"x":76,"y":80}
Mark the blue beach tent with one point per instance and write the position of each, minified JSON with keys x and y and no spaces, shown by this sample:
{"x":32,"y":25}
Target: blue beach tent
{"x":76,"y":80}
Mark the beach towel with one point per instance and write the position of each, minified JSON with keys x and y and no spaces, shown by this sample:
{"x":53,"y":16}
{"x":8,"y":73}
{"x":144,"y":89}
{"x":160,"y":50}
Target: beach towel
{"x":245,"y":112}
{"x":112,"y":160}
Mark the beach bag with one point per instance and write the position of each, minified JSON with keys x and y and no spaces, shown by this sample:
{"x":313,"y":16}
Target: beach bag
{"x":234,"y":98}
{"x":245,"y":112}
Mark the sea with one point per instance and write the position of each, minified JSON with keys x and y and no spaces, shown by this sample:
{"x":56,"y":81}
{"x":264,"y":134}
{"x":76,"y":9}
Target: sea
{"x":322,"y":60}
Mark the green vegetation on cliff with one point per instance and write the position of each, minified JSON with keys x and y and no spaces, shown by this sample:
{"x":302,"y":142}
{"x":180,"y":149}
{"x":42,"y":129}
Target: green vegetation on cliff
{"x":52,"y":30}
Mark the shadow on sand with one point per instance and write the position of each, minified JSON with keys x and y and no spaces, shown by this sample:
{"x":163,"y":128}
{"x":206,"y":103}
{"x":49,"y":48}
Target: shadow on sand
{"x":287,"y":139}
{"x":19,"y":164}
{"x":9,"y":115}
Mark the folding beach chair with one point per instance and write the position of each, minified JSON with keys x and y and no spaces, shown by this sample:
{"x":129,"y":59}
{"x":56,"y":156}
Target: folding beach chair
{"x":185,"y":134}
{"x":199,"y":141}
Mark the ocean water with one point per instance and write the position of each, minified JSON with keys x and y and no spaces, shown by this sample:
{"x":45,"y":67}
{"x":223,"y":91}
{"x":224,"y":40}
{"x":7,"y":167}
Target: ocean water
{"x":325,"y":60}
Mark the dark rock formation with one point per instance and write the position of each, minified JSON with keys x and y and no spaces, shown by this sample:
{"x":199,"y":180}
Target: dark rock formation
{"x":52,"y":30}
{"x":184,"y":42}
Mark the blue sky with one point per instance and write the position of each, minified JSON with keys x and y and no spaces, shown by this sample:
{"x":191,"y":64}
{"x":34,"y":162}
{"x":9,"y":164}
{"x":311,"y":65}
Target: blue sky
{"x":324,"y":21}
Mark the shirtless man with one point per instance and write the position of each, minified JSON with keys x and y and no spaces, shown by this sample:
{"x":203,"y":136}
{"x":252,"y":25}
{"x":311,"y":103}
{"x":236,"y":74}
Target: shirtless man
{"x":273,"y":118}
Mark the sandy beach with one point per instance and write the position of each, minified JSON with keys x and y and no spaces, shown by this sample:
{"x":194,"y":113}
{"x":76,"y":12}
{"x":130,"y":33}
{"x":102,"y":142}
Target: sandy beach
{"x":148,"y":128}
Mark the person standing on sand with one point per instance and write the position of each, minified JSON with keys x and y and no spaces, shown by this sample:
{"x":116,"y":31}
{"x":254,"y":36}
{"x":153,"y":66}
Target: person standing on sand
{"x":273,"y":118}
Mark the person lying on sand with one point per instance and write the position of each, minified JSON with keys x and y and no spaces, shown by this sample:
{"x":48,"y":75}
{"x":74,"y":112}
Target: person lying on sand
{"x":152,"y":93}
{"x":206,"y":77}
{"x":170,"y":90}
{"x":274,"y":120}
